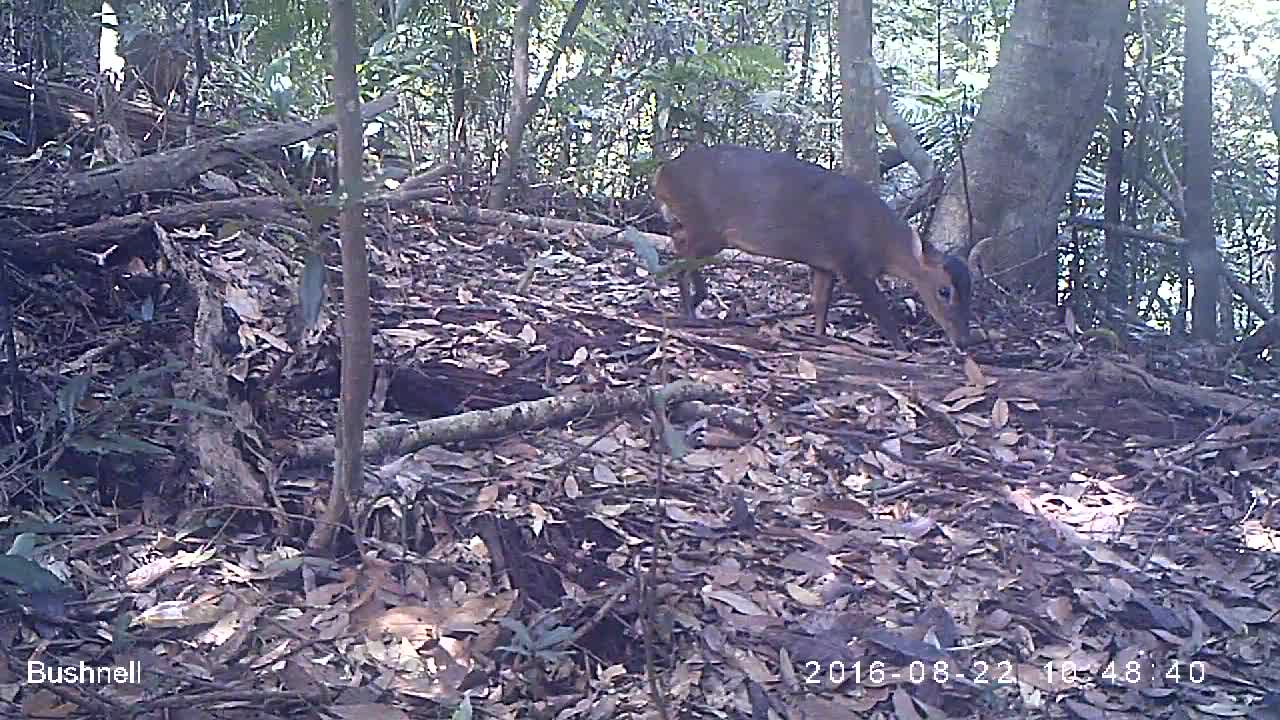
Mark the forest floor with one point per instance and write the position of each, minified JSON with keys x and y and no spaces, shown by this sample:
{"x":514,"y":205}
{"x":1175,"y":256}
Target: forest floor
{"x":1052,"y":527}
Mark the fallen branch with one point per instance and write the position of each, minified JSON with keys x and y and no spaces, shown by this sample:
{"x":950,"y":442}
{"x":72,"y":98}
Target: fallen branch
{"x":117,"y":229}
{"x":55,"y":109}
{"x":175,"y":168}
{"x":399,"y":440}
{"x":1061,"y":394}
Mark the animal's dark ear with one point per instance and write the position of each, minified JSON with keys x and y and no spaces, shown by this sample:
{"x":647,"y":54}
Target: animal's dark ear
{"x":959,"y":273}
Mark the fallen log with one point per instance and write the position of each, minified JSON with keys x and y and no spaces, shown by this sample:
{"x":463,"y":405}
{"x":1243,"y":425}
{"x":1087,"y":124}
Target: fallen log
{"x":216,"y":439}
{"x":54,"y":109}
{"x":99,"y":189}
{"x":399,"y":440}
{"x":114,"y":230}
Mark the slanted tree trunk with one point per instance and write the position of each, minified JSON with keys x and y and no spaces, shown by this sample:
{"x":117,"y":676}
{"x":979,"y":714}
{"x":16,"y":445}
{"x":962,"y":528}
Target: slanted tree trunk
{"x":857,"y":92}
{"x":1116,"y":248}
{"x":1035,"y":123}
{"x":909,"y":148}
{"x":1197,"y":226}
{"x":523,"y":108}
{"x":357,"y":343}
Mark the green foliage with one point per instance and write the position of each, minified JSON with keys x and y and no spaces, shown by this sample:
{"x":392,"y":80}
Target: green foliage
{"x":123,"y":425}
{"x":543,"y":641}
{"x":674,"y":71}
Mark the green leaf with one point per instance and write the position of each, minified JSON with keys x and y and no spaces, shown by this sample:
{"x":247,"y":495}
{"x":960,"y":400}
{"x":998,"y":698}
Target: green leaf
{"x":680,"y":265}
{"x":464,"y":710}
{"x":23,"y":545}
{"x":674,"y":440}
{"x":193,"y":407}
{"x":116,"y":443}
{"x":555,"y":636}
{"x":312,"y":290}
{"x":136,"y":379}
{"x":647,"y":251}
{"x":69,"y":396}
{"x":27,"y":575}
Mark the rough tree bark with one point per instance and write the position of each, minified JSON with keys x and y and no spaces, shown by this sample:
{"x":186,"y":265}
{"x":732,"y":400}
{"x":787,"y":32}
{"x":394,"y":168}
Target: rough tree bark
{"x":1034,"y":125}
{"x":357,"y":343}
{"x":1275,"y":218}
{"x":1197,"y":226}
{"x":521,"y":111}
{"x":1117,"y":259}
{"x":857,"y":92}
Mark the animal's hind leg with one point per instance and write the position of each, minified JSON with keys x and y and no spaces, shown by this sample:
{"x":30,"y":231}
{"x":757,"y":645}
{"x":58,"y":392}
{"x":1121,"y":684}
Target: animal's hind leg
{"x":821,"y":282}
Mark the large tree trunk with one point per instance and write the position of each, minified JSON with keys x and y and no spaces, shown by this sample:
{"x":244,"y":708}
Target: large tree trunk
{"x":1117,"y":258}
{"x":857,"y":92}
{"x":1275,"y":219}
{"x":1034,"y":125}
{"x":1197,"y":227}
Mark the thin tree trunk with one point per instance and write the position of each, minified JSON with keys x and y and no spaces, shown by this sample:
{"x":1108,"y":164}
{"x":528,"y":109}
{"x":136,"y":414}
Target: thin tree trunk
{"x":518,"y":120}
{"x":857,"y":92}
{"x":1197,"y":119}
{"x":517,"y":104}
{"x":1275,"y":217}
{"x":357,"y":344}
{"x":458,"y":152}
{"x":806,"y":59}
{"x":833,"y":63}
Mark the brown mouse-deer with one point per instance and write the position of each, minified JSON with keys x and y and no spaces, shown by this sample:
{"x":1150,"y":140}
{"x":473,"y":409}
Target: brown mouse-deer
{"x":778,"y":206}
{"x":160,"y":62}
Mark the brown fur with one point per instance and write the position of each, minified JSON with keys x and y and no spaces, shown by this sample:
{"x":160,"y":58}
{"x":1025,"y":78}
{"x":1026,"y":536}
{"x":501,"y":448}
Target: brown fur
{"x":774,"y":205}
{"x":160,"y":64}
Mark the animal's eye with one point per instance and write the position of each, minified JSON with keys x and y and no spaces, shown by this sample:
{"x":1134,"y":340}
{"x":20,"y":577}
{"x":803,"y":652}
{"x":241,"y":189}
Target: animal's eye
{"x":944,"y":292}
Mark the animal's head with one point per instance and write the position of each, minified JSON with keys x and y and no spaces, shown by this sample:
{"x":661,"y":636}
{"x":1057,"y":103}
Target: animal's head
{"x":946,"y":288}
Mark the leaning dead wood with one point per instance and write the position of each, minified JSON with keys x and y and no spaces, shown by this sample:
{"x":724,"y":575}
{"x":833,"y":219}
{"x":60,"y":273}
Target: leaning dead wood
{"x":55,"y":109}
{"x":480,"y":424}
{"x":1267,"y":335}
{"x":215,"y":440}
{"x":114,"y":230}
{"x":175,"y":168}
{"x":904,"y":136}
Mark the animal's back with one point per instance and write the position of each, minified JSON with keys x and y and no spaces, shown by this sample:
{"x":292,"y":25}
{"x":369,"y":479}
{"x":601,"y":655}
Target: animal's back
{"x":776,"y":205}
